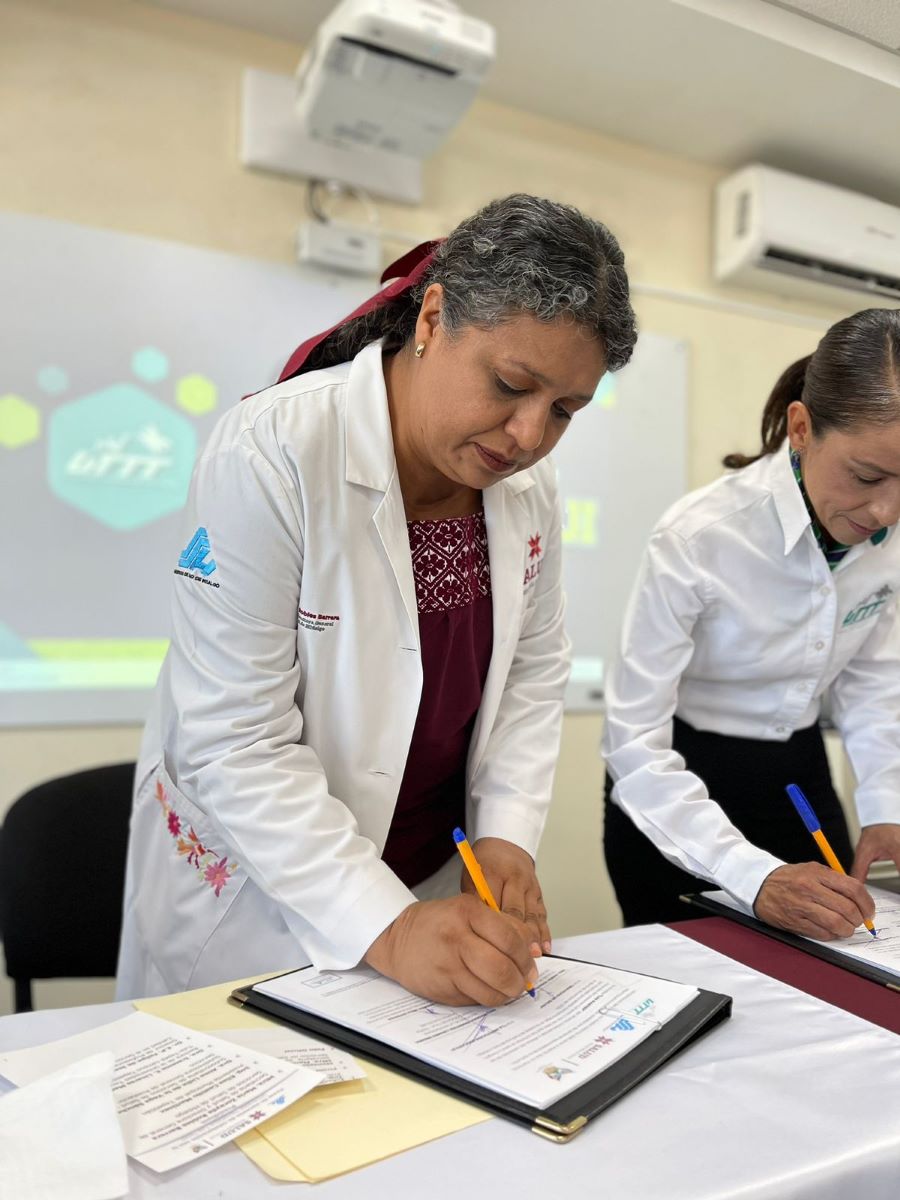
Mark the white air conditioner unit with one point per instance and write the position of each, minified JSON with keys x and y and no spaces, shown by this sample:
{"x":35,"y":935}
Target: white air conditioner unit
{"x":796,"y":236}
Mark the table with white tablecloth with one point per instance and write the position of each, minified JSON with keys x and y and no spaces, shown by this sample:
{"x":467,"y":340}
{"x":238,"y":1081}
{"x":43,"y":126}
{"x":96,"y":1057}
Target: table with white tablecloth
{"x":791,"y":1098}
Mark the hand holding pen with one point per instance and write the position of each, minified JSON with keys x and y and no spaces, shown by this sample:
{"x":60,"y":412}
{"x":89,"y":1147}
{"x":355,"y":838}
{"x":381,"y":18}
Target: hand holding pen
{"x":456,"y":951}
{"x":476,"y":875}
{"x":509,"y":872}
{"x":812,"y":899}
{"x":812,"y":823}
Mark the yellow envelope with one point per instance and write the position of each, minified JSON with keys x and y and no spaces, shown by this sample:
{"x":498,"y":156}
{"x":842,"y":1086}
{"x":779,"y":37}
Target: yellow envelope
{"x":267,"y":1158}
{"x":332,"y":1129}
{"x":207,"y":1008}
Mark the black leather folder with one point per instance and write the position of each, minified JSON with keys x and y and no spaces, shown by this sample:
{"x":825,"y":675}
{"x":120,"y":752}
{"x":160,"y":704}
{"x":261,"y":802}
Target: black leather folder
{"x":566,"y":1117}
{"x":856,"y":966}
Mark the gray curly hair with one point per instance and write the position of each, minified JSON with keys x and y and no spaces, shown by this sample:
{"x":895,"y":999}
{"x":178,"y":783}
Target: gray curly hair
{"x":518,"y":255}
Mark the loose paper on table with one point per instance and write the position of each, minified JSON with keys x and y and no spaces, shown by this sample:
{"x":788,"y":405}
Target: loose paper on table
{"x":60,"y":1137}
{"x":178,"y":1094}
{"x":331,"y":1066}
{"x":387,"y":1112}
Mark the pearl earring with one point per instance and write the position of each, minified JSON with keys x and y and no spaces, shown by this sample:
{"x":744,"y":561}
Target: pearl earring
{"x":420,"y":349}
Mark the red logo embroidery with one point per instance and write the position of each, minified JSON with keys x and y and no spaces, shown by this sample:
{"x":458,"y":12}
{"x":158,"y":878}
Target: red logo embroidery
{"x":535,"y":562}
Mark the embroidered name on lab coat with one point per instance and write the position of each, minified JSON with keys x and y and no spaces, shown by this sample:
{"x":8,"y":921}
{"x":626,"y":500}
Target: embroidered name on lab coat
{"x":317,"y":622}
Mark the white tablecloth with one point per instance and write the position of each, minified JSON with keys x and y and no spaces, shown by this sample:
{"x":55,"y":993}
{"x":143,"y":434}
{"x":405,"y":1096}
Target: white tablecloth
{"x":791,"y":1098}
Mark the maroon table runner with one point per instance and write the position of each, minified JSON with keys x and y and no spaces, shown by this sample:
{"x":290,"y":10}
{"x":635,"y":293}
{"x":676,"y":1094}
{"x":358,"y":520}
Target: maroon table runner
{"x":873,"y":1001}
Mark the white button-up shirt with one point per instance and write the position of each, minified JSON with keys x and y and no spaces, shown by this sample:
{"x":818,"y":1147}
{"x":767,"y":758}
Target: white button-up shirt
{"x":737,"y":625}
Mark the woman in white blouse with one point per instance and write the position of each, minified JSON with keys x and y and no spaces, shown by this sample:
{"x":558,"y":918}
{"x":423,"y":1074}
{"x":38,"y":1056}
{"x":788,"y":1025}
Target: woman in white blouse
{"x":762,"y":598}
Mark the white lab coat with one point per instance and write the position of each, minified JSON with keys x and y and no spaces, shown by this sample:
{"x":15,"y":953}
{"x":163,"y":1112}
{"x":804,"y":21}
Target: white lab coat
{"x":283,"y":716}
{"x":737,"y":625}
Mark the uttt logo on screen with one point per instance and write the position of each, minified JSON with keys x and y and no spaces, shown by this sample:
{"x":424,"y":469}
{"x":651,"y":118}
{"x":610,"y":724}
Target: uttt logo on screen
{"x":118,"y":453}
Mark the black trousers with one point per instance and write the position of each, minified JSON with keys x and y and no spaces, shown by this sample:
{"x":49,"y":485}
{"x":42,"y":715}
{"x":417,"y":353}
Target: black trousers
{"x":747,"y":777}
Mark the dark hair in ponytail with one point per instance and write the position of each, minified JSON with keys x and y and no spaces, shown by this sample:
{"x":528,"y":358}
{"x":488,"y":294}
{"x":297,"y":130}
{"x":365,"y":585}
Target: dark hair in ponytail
{"x":852,"y":379}
{"x":774,"y":419}
{"x":518,"y":255}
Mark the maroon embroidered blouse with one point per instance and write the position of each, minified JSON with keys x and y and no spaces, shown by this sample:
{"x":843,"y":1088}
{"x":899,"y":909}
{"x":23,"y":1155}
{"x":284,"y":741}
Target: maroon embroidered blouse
{"x":456,"y":634}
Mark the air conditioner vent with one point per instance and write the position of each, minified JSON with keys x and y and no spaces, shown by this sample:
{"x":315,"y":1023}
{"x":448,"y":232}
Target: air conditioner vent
{"x":788,"y":262}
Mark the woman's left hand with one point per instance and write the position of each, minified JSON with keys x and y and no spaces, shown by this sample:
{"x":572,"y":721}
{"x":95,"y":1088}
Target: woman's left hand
{"x":875,"y":842}
{"x":510,"y":874}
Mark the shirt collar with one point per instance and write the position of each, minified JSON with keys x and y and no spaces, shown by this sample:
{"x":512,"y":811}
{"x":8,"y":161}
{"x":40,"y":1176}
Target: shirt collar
{"x":834,"y":552}
{"x":789,"y":502}
{"x":369,"y":442}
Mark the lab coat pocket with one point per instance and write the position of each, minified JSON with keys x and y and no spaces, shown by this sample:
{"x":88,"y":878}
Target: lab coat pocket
{"x":187,"y":879}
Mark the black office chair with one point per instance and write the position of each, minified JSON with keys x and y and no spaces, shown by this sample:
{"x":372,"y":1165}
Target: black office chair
{"x":62,"y":875}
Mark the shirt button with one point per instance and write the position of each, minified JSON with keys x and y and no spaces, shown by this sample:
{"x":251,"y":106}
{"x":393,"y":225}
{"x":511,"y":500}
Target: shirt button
{"x":820,"y":645}
{"x":781,"y":728}
{"x":824,"y":589}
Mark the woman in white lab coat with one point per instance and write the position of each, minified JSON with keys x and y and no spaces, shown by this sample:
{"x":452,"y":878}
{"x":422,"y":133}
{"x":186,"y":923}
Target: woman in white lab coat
{"x":761,"y":597}
{"x":367,"y":642}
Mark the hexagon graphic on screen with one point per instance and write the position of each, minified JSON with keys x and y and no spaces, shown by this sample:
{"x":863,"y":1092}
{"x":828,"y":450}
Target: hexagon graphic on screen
{"x":121,"y":456}
{"x":20,"y":422}
{"x":196,"y":394}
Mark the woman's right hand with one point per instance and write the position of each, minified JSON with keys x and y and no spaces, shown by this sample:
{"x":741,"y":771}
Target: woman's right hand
{"x":456,"y":951}
{"x":811,"y":899}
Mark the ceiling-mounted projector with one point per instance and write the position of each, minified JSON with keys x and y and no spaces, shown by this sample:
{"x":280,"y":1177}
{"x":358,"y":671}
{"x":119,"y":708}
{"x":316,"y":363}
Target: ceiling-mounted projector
{"x":379,"y":89}
{"x":393,"y":75}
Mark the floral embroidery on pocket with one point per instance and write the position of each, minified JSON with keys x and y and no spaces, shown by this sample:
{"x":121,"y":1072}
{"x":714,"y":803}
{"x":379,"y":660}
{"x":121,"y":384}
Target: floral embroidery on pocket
{"x":211,"y":869}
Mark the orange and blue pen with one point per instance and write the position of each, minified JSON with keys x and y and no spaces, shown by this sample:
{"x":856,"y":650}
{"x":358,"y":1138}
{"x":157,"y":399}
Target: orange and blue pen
{"x":477,"y":876}
{"x":812,"y":823}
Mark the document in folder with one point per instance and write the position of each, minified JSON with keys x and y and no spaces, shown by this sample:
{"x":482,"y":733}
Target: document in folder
{"x":875,"y":958}
{"x":589,"y":1034}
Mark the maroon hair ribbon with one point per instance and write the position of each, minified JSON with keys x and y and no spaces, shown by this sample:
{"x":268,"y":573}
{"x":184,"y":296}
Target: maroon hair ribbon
{"x":405,"y":273}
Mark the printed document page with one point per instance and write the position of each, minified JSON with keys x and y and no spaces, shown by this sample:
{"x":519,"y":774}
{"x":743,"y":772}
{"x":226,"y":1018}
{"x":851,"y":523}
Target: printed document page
{"x":178,"y":1094}
{"x":330,"y":1065}
{"x":882,"y":951}
{"x":534,"y":1049}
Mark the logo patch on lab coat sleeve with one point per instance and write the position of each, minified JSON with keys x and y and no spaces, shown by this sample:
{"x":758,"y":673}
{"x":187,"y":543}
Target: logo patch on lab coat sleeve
{"x":195,"y":561}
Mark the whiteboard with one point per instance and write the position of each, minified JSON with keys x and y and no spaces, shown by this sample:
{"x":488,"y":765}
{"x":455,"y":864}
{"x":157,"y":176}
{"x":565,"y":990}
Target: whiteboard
{"x":620,"y":466}
{"x":119,"y":353}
